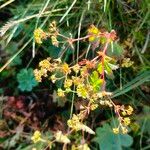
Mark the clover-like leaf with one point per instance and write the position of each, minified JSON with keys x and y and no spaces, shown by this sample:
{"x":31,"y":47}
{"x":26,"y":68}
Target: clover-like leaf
{"x":115,"y":50}
{"x":26,"y":80}
{"x":110,"y":141}
{"x":95,"y":80}
{"x":109,"y":67}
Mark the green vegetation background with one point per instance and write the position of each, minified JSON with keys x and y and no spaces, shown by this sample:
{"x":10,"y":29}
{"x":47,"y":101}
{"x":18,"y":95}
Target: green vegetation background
{"x":19,"y":55}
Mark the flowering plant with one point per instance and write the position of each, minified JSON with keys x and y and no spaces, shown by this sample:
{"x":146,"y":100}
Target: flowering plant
{"x":85,"y":79}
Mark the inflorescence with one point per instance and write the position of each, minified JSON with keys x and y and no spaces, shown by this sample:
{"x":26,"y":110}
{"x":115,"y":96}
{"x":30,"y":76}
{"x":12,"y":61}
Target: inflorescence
{"x":86,"y":79}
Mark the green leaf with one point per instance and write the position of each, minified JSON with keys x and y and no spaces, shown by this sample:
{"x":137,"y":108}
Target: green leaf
{"x":95,"y":80}
{"x":1,"y":91}
{"x":115,"y":50}
{"x":26,"y":80}
{"x":12,"y":48}
{"x":108,"y":69}
{"x":112,"y":66}
{"x":144,"y":120}
{"x":16,"y":61}
{"x":100,"y":68}
{"x":103,"y":40}
{"x":107,"y":140}
{"x":53,"y":51}
{"x":109,"y":66}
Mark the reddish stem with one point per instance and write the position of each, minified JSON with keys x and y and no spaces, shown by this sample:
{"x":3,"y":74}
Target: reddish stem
{"x":103,"y":64}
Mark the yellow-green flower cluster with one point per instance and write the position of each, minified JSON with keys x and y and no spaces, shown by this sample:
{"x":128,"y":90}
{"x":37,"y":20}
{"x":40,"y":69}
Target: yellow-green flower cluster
{"x":65,"y":68}
{"x":74,"y":123}
{"x":54,"y":40}
{"x":53,"y":31}
{"x":93,"y":106}
{"x":106,"y":103}
{"x":53,"y":78}
{"x":45,"y":66}
{"x":127,"y":111}
{"x":93,"y":32}
{"x":36,"y":137}
{"x":53,"y":28}
{"x":77,"y":80}
{"x":60,"y":93}
{"x":124,"y":121}
{"x":123,"y":129}
{"x":39,"y":35}
{"x":88,"y":79}
{"x":127,"y":63}
{"x":123,"y":126}
{"x":82,"y":91}
{"x":76,"y":68}
{"x":68,"y":83}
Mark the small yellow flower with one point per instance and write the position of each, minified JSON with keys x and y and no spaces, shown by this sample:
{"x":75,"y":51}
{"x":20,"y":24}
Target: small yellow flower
{"x":84,"y":71}
{"x":54,"y":40}
{"x":124,"y":130}
{"x":116,"y":130}
{"x":53,"y":78}
{"x":126,"y":121}
{"x":77,"y":80}
{"x":76,"y":68}
{"x":60,"y":93}
{"x":74,"y":123}
{"x":37,"y":75}
{"x":68,"y":83}
{"x":65,"y":68}
{"x":99,"y":95}
{"x":93,"y":106}
{"x":102,"y":102}
{"x":45,"y":64}
{"x":93,"y":32}
{"x":91,"y":39}
{"x":124,"y":113}
{"x":52,"y":27}
{"x":127,"y":63}
{"x":82,"y":91}
{"x":129,"y":110}
{"x":36,"y":137}
{"x":43,"y":72}
{"x":39,"y":35}
{"x":68,"y":90}
{"x":108,"y":103}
